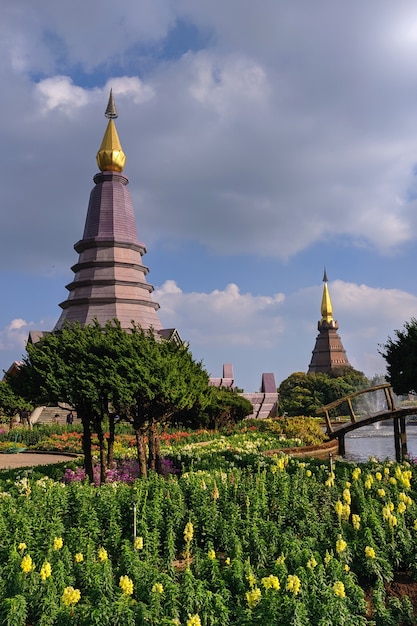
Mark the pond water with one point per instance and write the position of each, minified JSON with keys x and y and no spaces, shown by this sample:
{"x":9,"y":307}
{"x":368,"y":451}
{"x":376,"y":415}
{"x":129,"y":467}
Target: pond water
{"x":377,"y":441}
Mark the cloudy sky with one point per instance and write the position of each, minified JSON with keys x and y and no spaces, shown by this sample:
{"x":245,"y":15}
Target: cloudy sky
{"x":264,"y":141}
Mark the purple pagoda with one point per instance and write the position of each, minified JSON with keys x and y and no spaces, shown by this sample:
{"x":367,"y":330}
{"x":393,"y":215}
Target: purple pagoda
{"x":109,"y":277}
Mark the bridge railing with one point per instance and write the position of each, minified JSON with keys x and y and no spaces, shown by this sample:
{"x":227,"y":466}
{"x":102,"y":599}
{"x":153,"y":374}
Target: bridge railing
{"x":389,"y":397}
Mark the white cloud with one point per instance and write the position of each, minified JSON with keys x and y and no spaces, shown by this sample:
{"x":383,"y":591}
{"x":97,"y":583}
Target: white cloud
{"x":59,"y":92}
{"x":278,"y":333}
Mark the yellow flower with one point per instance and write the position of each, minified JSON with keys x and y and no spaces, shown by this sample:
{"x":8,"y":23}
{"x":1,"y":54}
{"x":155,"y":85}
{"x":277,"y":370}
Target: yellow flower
{"x":215,"y":493}
{"x":27,"y":564}
{"x":356,"y":521}
{"x":348,"y":484}
{"x":347,"y":568}
{"x":46,"y":570}
{"x":102,"y":554}
{"x":369,"y":481}
{"x":188,"y":533}
{"x":393,"y":481}
{"x":251,"y":579}
{"x":157,"y":588}
{"x":341,"y":545}
{"x":328,"y":557}
{"x":139,"y":543}
{"x":70,"y":596}
{"x":339,"y":589}
{"x":311,"y":563}
{"x":253,"y":597}
{"x":271,"y":582}
{"x":346,"y":496}
{"x":293,"y":584}
{"x":381,"y":493}
{"x":369,"y":552}
{"x":356,"y":473}
{"x":386,"y":471}
{"x":126,"y":585}
{"x":345,"y":512}
{"x":338,"y":507}
{"x":22,"y":546}
{"x":58,"y":543}
{"x":406,"y":499}
{"x":211,"y":554}
{"x":401,"y":507}
{"x":281,"y":559}
{"x":79,"y":557}
{"x":378,"y":476}
{"x":308,"y":473}
{"x":193,"y":620}
{"x":227,"y":561}
{"x":330,"y":481}
{"x":280,"y":463}
{"x":392,"y":521}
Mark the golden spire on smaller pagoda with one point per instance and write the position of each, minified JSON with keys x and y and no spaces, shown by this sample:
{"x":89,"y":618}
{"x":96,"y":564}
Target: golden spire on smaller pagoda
{"x":110,"y":156}
{"x":326,"y":303}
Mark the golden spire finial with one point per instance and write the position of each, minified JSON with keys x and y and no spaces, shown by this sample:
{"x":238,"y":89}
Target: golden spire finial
{"x":326,"y":303}
{"x":110,"y":156}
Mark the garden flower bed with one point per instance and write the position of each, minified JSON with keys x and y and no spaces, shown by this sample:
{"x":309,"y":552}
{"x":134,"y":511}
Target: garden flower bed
{"x":287,"y":543}
{"x":229,"y":535}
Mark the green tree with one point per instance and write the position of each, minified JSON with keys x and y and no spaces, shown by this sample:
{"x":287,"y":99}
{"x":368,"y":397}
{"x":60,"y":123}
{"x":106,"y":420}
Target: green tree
{"x":225,"y":407}
{"x":166,"y":382}
{"x":400,"y":354}
{"x":10,"y":403}
{"x":108,"y":371}
{"x":303,"y":394}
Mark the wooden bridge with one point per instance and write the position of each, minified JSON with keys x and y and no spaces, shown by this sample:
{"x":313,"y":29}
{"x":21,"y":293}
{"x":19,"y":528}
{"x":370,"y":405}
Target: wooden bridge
{"x":397,"y":414}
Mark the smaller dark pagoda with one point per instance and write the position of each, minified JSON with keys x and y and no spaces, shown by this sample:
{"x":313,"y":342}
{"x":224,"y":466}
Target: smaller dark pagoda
{"x":328,"y":354}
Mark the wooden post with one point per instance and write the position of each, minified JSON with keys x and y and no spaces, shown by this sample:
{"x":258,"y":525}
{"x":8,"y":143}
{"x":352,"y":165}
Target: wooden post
{"x":351,"y":411}
{"x":403,"y":439}
{"x":397,"y":440}
{"x":341,"y":444}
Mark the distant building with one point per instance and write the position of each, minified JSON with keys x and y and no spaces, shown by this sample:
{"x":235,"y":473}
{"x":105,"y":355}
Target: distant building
{"x":329,"y":353}
{"x":264,"y":402}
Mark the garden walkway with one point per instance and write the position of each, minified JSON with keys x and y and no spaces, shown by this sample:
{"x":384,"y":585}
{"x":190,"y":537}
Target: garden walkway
{"x":29,"y":459}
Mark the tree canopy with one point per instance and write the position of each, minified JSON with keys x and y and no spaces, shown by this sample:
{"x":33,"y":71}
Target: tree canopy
{"x":400,"y":354}
{"x":105,"y":370}
{"x":303,"y":394}
{"x":225,"y":407}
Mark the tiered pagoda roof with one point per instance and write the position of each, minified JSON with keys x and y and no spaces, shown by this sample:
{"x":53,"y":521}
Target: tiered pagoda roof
{"x":109,"y":277}
{"x":328,"y":354}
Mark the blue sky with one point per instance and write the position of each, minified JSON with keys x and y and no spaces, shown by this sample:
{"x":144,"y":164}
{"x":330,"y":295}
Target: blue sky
{"x":264,"y":142}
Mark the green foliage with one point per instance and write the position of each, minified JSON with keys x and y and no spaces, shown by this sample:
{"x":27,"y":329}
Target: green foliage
{"x":266,"y":546}
{"x":10,"y":402}
{"x":304,"y":394}
{"x":401,"y":357}
{"x":225,"y":407}
{"x":99,"y":370}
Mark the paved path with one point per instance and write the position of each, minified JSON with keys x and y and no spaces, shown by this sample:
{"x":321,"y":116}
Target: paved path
{"x":29,"y":459}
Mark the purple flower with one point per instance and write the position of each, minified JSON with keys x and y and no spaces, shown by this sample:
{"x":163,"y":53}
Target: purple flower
{"x":125,"y":471}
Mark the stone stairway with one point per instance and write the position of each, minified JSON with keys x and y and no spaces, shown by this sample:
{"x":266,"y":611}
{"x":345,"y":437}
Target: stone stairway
{"x":45,"y":415}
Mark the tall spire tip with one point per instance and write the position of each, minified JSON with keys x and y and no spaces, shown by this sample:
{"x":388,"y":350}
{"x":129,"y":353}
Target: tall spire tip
{"x":111,"y":111}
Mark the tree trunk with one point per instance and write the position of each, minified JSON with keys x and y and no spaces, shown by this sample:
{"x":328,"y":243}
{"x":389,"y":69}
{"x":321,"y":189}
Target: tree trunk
{"x":100,"y":435}
{"x":141,"y":450}
{"x":152,"y":430}
{"x":158,"y":458}
{"x":110,"y":443}
{"x":86,"y":444}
